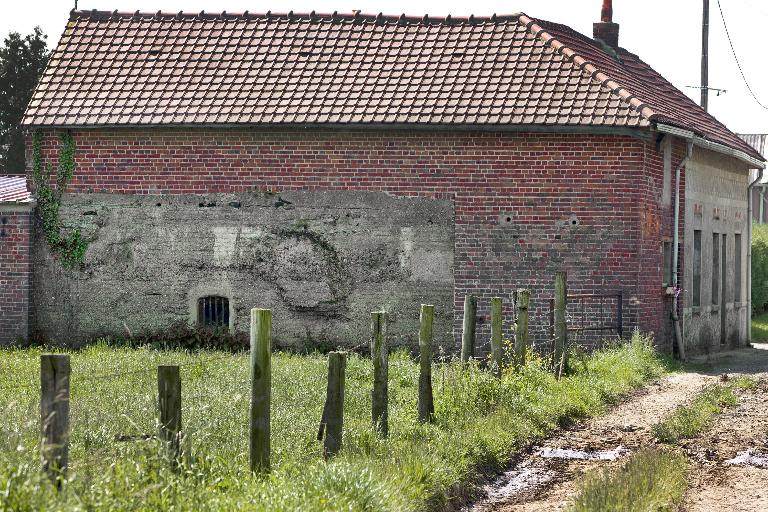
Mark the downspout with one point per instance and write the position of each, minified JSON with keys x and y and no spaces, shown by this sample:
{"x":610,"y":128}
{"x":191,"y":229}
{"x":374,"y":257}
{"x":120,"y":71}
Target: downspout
{"x":676,"y":252}
{"x":749,"y":251}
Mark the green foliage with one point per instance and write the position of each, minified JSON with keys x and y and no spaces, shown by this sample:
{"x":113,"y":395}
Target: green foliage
{"x":759,"y":268}
{"x":760,"y":328}
{"x":688,"y":421}
{"x":652,"y":479}
{"x":69,"y":248}
{"x":480,"y":420}
{"x":22,"y":61}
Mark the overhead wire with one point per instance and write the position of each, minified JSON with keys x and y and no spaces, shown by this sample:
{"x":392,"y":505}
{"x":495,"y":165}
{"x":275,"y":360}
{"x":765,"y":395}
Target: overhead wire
{"x":736,"y":58}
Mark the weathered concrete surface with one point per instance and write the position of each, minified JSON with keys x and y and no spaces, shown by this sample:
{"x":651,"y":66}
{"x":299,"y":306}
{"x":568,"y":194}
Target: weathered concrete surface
{"x":715,"y":202}
{"x":321,"y":260}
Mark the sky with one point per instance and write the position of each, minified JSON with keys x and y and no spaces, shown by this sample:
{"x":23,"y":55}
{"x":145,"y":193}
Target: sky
{"x":664,"y":33}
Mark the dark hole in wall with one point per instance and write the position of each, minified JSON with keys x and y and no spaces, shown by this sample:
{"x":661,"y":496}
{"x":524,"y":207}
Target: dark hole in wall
{"x":5,"y":220}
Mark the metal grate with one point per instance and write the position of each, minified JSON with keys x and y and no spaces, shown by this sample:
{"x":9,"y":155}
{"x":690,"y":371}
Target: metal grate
{"x":213,"y":311}
{"x":595,"y":313}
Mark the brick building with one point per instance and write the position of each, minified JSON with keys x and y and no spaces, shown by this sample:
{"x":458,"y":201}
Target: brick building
{"x":326,"y":166}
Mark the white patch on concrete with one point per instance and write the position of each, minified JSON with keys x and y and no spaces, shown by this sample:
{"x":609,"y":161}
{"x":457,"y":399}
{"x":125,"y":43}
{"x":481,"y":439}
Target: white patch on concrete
{"x":749,"y":458}
{"x":406,"y":247}
{"x":564,"y":453}
{"x":224,"y":243}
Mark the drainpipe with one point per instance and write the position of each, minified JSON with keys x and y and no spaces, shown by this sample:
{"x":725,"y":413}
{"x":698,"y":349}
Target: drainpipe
{"x":676,"y":252}
{"x":749,"y":250}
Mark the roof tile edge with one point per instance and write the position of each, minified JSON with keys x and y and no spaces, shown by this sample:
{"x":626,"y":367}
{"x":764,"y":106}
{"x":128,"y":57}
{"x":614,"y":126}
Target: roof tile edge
{"x":595,"y":73}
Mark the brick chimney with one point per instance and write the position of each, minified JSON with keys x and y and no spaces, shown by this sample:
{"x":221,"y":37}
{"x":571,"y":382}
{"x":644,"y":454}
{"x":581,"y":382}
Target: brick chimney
{"x":607,"y":31}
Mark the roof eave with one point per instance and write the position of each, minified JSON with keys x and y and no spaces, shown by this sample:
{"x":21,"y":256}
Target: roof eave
{"x":635,"y":131}
{"x":712,"y":146}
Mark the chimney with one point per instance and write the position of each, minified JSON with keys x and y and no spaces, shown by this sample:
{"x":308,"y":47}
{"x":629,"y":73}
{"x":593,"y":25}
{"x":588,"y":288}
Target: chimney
{"x":607,"y":31}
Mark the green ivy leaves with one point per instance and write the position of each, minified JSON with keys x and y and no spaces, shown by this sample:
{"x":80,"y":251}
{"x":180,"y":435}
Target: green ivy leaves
{"x":70,"y":248}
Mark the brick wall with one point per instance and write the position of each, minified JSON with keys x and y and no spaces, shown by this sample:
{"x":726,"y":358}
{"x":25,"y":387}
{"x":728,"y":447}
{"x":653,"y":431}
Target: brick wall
{"x":15,"y":272}
{"x":525,"y":205}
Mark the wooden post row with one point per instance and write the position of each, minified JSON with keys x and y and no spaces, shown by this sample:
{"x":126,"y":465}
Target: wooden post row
{"x":169,"y":400}
{"x":521,"y":334}
{"x":261,"y":389}
{"x":560,"y":354}
{"x":497,"y":325}
{"x":469,"y":326}
{"x":426,"y":405}
{"x":380,"y":356}
{"x":54,"y":415}
{"x":332,"y":422}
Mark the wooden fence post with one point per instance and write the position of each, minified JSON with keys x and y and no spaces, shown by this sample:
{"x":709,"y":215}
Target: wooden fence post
{"x":426,"y":404}
{"x":169,"y":400}
{"x":468,"y":332}
{"x":332,"y":422}
{"x":497,"y":325}
{"x":521,"y":334}
{"x":560,"y":354}
{"x":54,"y":415}
{"x":261,"y":389}
{"x":380,"y":356}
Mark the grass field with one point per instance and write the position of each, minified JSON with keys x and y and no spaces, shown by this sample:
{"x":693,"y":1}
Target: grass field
{"x":480,"y":421}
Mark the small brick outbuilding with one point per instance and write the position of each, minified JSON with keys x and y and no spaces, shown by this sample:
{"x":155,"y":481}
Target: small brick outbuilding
{"x":329,"y":165}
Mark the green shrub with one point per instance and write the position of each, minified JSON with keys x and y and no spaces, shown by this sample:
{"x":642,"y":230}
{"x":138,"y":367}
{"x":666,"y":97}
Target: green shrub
{"x":759,"y":268}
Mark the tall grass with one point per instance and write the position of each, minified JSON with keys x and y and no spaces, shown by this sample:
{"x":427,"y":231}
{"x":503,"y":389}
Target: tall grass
{"x":652,"y":479}
{"x":480,"y":421}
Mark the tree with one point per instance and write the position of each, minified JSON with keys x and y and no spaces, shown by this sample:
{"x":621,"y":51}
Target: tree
{"x":22,"y":61}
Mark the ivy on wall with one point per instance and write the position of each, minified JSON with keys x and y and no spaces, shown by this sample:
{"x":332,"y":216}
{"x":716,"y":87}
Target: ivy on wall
{"x":69,"y":248}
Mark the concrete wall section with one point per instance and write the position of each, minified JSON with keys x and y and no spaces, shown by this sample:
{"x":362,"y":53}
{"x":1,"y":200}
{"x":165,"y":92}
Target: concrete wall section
{"x":321,"y":260}
{"x":716,"y":202}
{"x":15,"y":272}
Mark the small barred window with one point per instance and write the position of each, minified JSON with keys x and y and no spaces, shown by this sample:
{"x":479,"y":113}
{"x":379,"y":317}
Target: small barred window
{"x":213,"y":311}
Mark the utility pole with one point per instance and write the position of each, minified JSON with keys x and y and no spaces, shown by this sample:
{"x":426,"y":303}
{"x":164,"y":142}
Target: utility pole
{"x":705,"y":56}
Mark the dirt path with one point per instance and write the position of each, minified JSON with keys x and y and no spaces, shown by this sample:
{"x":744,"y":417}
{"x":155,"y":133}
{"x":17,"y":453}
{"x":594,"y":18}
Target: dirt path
{"x":537,"y":483}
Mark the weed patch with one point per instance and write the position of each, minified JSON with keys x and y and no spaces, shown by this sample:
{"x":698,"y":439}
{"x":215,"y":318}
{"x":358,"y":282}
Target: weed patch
{"x":652,"y":479}
{"x":688,"y":421}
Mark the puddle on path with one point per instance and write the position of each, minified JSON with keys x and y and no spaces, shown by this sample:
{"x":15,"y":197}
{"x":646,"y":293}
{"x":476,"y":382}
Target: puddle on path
{"x":564,"y":453}
{"x":519,"y":479}
{"x":749,"y":458}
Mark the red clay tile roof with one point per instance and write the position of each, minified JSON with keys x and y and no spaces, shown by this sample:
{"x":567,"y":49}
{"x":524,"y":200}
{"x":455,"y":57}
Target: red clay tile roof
{"x":115,"y":69}
{"x":13,"y":189}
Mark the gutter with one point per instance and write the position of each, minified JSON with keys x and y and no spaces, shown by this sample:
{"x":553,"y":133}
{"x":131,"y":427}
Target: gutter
{"x":701,"y":142}
{"x":676,"y":254}
{"x":749,"y":251}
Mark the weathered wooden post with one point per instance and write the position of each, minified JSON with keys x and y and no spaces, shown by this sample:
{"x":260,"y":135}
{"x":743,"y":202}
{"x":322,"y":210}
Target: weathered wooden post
{"x":380,"y":356}
{"x":497,"y":326}
{"x":521,"y":334}
{"x":560,"y":355}
{"x":169,"y":400}
{"x":468,"y":331}
{"x":426,"y":404}
{"x":332,"y":422}
{"x":54,"y":415}
{"x":261,"y":389}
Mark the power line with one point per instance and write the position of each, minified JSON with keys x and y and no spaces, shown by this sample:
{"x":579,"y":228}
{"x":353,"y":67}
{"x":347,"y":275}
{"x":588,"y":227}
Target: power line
{"x":736,"y":58}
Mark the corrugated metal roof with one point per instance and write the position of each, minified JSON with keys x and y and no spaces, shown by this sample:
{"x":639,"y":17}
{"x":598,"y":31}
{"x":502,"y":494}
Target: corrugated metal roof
{"x":756,"y":140}
{"x":13,"y":189}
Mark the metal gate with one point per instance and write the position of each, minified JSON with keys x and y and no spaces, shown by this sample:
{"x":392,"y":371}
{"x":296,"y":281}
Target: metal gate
{"x":595,"y":313}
